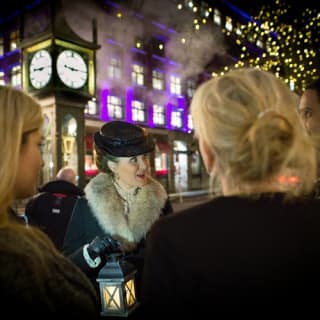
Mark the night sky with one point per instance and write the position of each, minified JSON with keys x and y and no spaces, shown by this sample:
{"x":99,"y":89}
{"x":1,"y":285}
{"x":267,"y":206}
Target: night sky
{"x":250,"y":6}
{"x":10,"y":6}
{"x":253,"y":6}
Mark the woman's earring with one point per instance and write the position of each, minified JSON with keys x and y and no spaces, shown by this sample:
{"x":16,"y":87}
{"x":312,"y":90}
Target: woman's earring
{"x":116,"y":175}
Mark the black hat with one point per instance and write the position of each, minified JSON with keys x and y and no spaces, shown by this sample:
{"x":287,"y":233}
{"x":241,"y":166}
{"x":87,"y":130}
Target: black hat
{"x":123,"y":139}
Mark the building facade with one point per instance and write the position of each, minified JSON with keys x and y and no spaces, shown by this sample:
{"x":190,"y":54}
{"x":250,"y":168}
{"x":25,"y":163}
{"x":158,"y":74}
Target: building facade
{"x":143,"y":61}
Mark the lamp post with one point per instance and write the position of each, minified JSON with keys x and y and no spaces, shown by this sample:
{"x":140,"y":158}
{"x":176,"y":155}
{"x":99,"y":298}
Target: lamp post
{"x":117,"y":287}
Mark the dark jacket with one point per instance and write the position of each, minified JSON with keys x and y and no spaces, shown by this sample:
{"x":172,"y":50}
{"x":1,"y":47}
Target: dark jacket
{"x":37,"y":281}
{"x":102,"y":212}
{"x":50,"y":210}
{"x":235,"y":256}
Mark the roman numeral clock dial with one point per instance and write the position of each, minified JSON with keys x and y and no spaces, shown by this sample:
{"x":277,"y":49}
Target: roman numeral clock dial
{"x":72,"y":69}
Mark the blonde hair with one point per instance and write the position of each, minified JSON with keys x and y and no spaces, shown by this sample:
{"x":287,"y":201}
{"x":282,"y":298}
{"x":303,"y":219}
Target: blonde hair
{"x":248,"y":119}
{"x":20,"y":114}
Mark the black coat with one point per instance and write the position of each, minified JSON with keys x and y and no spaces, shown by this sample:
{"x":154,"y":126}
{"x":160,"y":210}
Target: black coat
{"x":50,"y":210}
{"x":37,"y":282}
{"x":101,"y":213}
{"x":235,"y":256}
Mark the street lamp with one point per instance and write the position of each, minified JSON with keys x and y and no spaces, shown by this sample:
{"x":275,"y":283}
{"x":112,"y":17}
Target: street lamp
{"x":117,"y":287}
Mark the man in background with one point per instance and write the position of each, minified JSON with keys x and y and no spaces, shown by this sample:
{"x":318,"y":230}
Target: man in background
{"x":309,"y":107}
{"x":51,"y":209}
{"x":309,"y":111}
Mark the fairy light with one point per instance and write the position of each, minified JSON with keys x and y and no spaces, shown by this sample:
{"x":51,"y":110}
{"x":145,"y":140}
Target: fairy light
{"x":292,"y":47}
{"x":289,"y":48}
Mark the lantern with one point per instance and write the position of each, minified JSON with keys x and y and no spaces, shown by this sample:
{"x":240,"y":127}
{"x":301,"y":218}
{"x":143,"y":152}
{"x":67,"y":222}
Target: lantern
{"x":117,"y":287}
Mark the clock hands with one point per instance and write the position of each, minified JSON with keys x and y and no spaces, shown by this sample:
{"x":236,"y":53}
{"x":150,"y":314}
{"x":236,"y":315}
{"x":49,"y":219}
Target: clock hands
{"x":74,"y":69}
{"x":66,"y":66}
{"x":41,"y":68}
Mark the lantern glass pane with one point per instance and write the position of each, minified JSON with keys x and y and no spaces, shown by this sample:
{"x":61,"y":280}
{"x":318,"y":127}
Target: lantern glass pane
{"x":130,"y":292}
{"x":111,"y":297}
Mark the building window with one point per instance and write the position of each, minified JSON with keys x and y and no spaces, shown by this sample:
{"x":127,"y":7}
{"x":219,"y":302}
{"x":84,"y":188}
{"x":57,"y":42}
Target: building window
{"x":137,"y":75}
{"x":2,"y":82}
{"x":115,"y":107}
{"x":157,"y":80}
{"x":175,"y":85}
{"x":14,"y":40}
{"x":191,"y":88}
{"x":195,"y":163}
{"x":91,"y":107}
{"x":115,"y":69}
{"x":161,"y":159}
{"x":217,"y":17}
{"x":138,"y":111}
{"x":158,"y":114}
{"x":176,"y":118}
{"x":89,"y":164}
{"x":16,"y":76}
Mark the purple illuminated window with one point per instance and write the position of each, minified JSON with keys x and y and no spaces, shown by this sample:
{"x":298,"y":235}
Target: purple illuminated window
{"x":138,"y":111}
{"x":158,"y":114}
{"x":115,"y":107}
{"x":157,"y":80}
{"x":137,"y":75}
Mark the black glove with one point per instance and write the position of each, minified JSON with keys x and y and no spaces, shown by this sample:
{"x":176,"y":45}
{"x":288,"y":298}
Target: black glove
{"x":103,"y":246}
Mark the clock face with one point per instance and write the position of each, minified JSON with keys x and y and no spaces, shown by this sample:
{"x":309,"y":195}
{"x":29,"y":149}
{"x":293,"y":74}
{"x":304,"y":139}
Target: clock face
{"x":72,"y":69}
{"x":40,"y":69}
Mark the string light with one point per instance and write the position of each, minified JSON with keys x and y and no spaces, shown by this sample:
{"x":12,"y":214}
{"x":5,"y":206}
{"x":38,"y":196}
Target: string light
{"x":292,"y":48}
{"x":287,"y":47}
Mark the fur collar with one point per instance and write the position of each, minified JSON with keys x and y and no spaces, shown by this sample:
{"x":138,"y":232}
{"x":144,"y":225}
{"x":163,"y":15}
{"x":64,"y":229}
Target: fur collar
{"x":108,"y":208}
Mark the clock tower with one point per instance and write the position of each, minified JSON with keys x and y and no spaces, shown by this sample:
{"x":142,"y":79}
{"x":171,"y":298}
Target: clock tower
{"x":58,"y":68}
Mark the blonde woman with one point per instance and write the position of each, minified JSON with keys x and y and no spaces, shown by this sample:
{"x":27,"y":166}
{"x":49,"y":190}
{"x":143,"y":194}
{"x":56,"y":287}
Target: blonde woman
{"x":255,"y":250}
{"x":34,"y":278}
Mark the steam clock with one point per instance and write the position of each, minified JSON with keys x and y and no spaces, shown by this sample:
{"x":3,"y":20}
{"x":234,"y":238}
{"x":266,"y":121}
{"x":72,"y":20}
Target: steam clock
{"x":58,"y":68}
